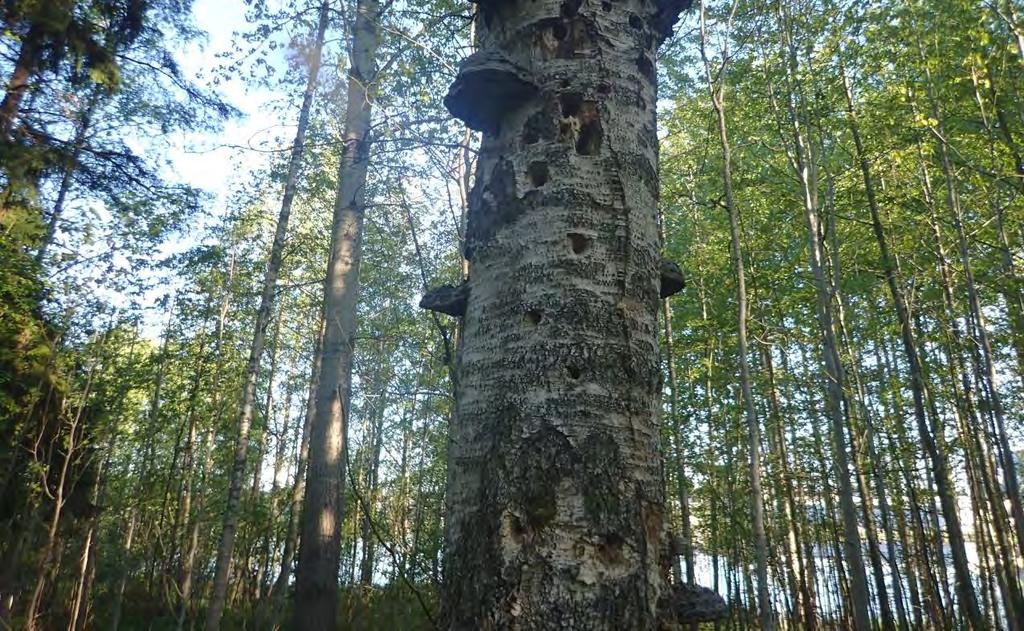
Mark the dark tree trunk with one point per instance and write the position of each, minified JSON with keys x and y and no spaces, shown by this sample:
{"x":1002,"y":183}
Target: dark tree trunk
{"x":21,"y":76}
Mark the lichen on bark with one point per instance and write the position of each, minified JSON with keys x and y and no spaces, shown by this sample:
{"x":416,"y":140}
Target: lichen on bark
{"x":555,"y":492}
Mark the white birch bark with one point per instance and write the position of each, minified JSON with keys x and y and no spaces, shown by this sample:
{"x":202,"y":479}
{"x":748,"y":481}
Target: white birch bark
{"x":556,"y":512}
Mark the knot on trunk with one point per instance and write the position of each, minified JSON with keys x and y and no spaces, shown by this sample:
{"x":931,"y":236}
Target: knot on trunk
{"x":488,"y":86}
{"x":687,"y":603}
{"x":446,"y":299}
{"x":666,"y":15}
{"x":672,"y":281}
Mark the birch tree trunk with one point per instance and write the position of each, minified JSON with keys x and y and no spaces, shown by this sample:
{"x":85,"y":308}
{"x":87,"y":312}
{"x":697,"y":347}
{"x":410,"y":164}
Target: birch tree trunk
{"x":191,"y":546}
{"x":149,"y":433}
{"x":1012,"y":286}
{"x":291,"y":539}
{"x":218,"y":598}
{"x":322,"y":518}
{"x":834,"y":377}
{"x":977,"y":322}
{"x":72,"y":444}
{"x":271,"y":534}
{"x":555,"y":497}
{"x":716,"y":91}
{"x":677,"y":446}
{"x":804,"y":563}
{"x":81,"y":610}
{"x":371,"y":478}
{"x":188,"y":488}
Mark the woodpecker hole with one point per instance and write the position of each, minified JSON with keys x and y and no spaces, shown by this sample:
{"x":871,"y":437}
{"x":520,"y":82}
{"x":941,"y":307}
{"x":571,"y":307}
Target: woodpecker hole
{"x":517,"y":528}
{"x":591,"y":134}
{"x":646,"y":67}
{"x":578,"y":242}
{"x":571,"y":103}
{"x":610,"y":549}
{"x":538,"y":172}
{"x":540,"y":125}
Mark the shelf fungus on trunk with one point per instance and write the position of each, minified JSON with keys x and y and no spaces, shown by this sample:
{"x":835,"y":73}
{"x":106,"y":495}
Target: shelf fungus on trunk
{"x":667,"y":16}
{"x":686,"y":603}
{"x":487,"y":87}
{"x":446,"y":299}
{"x":672,"y":281}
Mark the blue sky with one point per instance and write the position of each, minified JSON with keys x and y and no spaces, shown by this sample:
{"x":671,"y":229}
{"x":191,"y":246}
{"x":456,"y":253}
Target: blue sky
{"x":215,"y":162}
{"x":211,"y":161}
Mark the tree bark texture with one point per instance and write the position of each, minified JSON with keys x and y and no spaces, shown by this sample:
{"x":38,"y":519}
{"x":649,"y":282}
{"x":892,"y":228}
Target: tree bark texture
{"x":556,"y":513}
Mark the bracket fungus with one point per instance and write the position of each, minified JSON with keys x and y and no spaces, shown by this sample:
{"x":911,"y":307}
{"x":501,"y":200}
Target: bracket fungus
{"x":446,"y":299}
{"x":487,"y":87}
{"x":672,"y":281}
{"x":687,"y":603}
{"x":667,"y":16}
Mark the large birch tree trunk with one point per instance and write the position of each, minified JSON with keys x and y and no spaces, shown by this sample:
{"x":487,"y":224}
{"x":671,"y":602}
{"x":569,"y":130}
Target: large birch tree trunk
{"x":556,"y":513}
